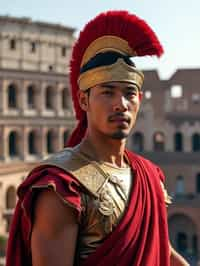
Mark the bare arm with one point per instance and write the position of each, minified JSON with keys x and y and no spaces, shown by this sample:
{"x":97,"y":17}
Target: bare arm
{"x":176,"y":259}
{"x":54,"y":233}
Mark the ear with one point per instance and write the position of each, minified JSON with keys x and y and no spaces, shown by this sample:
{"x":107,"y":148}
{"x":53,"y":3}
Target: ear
{"x":140,"y":96}
{"x":83,"y":100}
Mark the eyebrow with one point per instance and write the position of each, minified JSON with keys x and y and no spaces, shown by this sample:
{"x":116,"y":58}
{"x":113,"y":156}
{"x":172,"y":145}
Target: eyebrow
{"x":111,"y":86}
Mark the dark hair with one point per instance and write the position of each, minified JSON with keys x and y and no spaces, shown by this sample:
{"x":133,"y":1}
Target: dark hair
{"x":105,"y":59}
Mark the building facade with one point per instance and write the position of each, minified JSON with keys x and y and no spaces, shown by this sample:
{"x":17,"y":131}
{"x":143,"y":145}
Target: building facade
{"x":35,"y":106}
{"x":36,"y":118}
{"x":168,"y":133}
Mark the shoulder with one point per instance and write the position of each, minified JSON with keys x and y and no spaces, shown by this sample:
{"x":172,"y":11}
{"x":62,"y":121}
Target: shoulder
{"x":50,"y":207}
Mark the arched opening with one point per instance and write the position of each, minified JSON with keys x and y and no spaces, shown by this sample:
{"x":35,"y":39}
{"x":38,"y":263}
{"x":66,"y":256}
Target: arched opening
{"x":65,"y":137}
{"x":66,"y":101}
{"x":32,"y":143}
{"x":196,"y":142}
{"x":198,"y":183}
{"x":159,"y":141}
{"x":51,"y":141}
{"x":13,"y":144}
{"x":12,"y":96}
{"x":49,"y":98}
{"x":31,"y":99}
{"x":178,"y":141}
{"x":12,"y":44}
{"x":182,"y":241}
{"x":138,"y":141}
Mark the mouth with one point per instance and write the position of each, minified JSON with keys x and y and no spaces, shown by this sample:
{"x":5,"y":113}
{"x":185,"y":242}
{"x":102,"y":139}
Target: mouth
{"x":120,"y":120}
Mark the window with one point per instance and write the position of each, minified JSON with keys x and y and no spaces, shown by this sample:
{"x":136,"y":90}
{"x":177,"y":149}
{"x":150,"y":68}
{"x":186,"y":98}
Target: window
{"x":12,"y":44}
{"x":12,"y":96}
{"x":64,"y":51}
{"x":32,"y":138}
{"x":12,"y":143}
{"x":33,"y":47}
{"x":178,"y":142}
{"x":179,"y":185}
{"x":176,"y":91}
{"x":196,"y":142}
{"x":49,"y":98}
{"x":198,"y":183}
{"x":159,"y":141}
{"x":138,"y":141}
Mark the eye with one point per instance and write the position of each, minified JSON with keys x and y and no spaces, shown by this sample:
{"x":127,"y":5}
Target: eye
{"x":131,"y":93}
{"x":107,"y":92}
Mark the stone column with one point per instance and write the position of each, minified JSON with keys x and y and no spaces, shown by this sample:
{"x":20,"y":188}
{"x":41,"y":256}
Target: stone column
{"x":22,"y":97}
{"x":187,"y":137}
{"x":4,"y":99}
{"x":41,"y":97}
{"x":43,"y":131}
{"x":24,"y":142}
{"x":60,"y":138}
{"x":5,"y":142}
{"x":58,"y":99}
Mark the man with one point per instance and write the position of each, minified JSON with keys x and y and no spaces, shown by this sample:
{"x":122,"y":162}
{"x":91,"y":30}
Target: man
{"x":97,"y":203}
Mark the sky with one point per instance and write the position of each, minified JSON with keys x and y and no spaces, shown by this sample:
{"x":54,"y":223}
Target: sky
{"x":176,"y":22}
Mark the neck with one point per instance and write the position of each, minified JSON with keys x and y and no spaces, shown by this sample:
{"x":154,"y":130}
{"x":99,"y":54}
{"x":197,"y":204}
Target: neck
{"x":106,"y":150}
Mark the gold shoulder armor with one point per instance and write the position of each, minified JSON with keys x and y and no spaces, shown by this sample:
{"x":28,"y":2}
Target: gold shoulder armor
{"x":82,"y":169}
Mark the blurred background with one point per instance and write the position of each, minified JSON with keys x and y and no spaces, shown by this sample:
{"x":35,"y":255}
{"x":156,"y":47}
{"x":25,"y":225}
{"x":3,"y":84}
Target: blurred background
{"x":36,"y":113}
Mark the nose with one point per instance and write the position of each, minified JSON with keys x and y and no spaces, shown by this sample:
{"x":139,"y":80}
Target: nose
{"x":120,"y":104}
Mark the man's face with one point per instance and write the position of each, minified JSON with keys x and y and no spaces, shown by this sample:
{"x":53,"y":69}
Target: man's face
{"x":111,"y":108}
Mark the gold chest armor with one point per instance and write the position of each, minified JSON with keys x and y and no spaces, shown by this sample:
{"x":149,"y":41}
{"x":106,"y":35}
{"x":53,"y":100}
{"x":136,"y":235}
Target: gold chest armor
{"x":104,"y":201}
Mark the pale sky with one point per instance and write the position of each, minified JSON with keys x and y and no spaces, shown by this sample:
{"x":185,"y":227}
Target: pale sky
{"x":176,"y":22}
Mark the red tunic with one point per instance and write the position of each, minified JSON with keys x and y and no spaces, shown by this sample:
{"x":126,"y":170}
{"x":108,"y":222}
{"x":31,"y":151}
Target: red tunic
{"x":141,"y":237}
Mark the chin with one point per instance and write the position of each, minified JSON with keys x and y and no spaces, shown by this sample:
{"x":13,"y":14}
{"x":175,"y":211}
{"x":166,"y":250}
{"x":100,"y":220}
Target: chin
{"x":119,"y":135}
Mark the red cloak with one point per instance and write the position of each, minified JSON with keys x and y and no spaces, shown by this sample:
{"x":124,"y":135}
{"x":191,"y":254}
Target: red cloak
{"x":140,"y":239}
